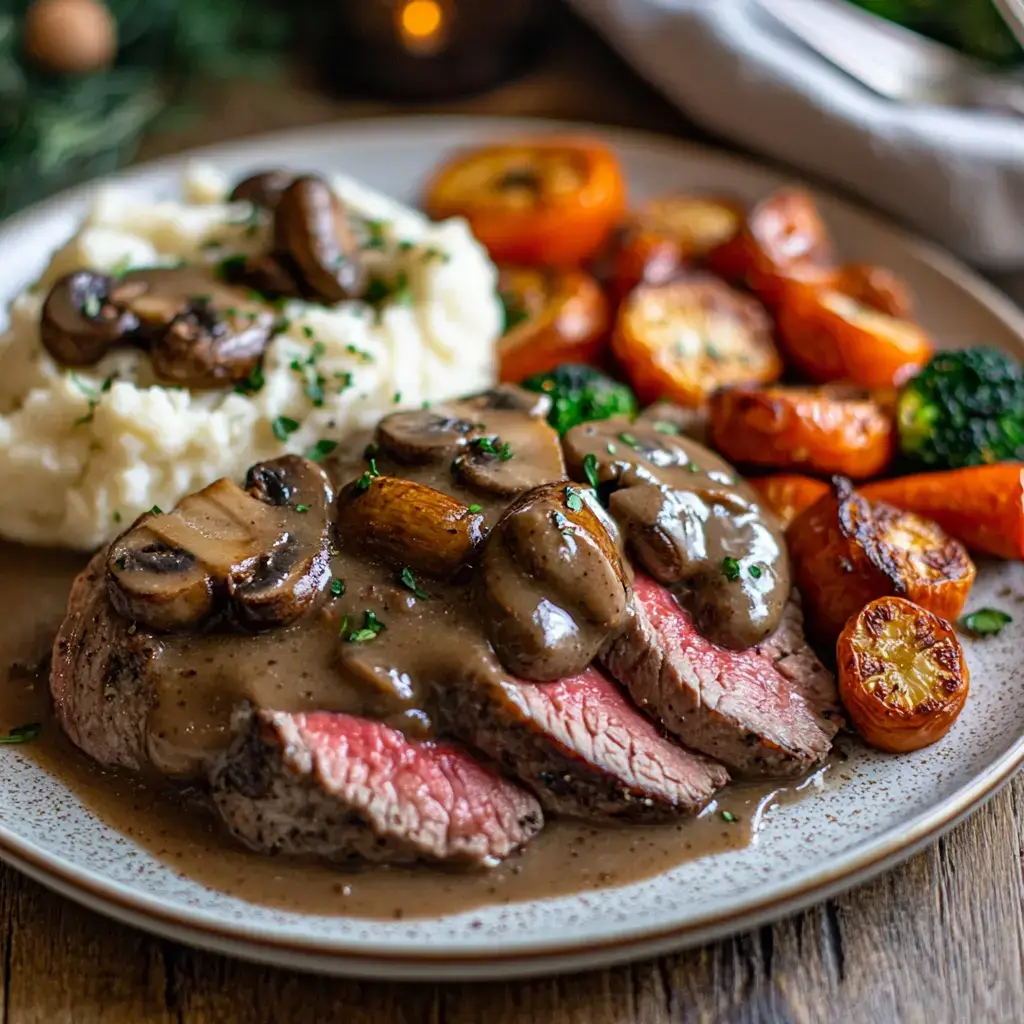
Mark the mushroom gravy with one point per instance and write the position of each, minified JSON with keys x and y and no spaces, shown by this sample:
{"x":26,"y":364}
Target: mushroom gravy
{"x":566,"y":858}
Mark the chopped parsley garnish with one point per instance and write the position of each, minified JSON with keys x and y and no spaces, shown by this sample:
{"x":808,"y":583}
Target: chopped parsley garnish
{"x":373,"y":471}
{"x":307,"y":331}
{"x":301,"y":508}
{"x":253,"y":383}
{"x":117,"y":515}
{"x":403,"y":294}
{"x":337,"y":587}
{"x":573,"y":500}
{"x":755,"y":571}
{"x":231,"y":266}
{"x":628,"y":439}
{"x":321,"y":450}
{"x":92,"y":394}
{"x":23,"y":733}
{"x":363,"y":483}
{"x":396,"y":397}
{"x":729,"y":816}
{"x":610,"y":448}
{"x":156,"y":510}
{"x":408,"y":581}
{"x":346,"y":381}
{"x":662,"y":427}
{"x":476,"y":508}
{"x":693,"y":467}
{"x":433,"y":253}
{"x":730,"y":568}
{"x":590,"y":469}
{"x":984,"y":622}
{"x":492,"y":446}
{"x":371,"y":627}
{"x":121,"y":563}
{"x":374,"y":234}
{"x":121,"y":267}
{"x":405,"y":245}
{"x":313,"y":380}
{"x":91,"y":306}
{"x":283,"y":426}
{"x":377,"y":290}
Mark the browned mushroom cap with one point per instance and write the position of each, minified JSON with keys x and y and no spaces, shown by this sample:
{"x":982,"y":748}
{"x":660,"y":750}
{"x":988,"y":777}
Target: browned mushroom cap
{"x":553,"y":585}
{"x":201,"y":333}
{"x":272,"y":275}
{"x":79,"y":323}
{"x":407,"y":524}
{"x":512,"y":452}
{"x":311,"y":226}
{"x":509,"y":397}
{"x":262,"y":189}
{"x":259,"y":555}
{"x":421,"y":436}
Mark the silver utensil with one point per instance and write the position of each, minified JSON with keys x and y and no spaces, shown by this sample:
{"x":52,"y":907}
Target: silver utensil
{"x":895,"y":62}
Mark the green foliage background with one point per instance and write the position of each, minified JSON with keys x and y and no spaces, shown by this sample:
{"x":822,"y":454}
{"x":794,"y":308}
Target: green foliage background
{"x":56,"y":129}
{"x":973,"y":26}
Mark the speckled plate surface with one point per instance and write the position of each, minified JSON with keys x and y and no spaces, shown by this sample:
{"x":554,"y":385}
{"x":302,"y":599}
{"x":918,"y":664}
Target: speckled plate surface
{"x":878,"y":810}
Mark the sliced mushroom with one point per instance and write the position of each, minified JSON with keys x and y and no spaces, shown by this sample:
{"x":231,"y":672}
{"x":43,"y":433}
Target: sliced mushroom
{"x":260,"y":556}
{"x":421,"y":436}
{"x":511,"y":398}
{"x":272,"y":275}
{"x":201,"y":332}
{"x":553,"y":586}
{"x":511,"y":452}
{"x":407,"y":524}
{"x":311,"y":226}
{"x":79,"y":322}
{"x":262,"y":189}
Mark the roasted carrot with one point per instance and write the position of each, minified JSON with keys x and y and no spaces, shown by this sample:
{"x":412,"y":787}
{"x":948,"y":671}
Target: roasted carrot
{"x":982,"y":506}
{"x":788,"y":494}
{"x":824,"y":430}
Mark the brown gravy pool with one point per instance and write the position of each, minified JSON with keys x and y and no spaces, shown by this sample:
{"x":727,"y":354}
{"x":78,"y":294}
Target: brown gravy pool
{"x":565,"y":858}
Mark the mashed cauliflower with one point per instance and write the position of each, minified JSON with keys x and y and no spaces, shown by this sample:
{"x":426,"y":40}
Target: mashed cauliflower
{"x":83,"y":452}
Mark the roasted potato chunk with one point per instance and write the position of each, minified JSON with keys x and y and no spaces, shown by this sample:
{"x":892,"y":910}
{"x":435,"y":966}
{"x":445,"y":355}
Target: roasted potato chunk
{"x":552,"y":317}
{"x":829,"y":336}
{"x":669,"y":232}
{"x":875,"y":287}
{"x":685,"y":339}
{"x":848,"y":551}
{"x":407,"y":524}
{"x":819,"y":430}
{"x":788,"y":494}
{"x":902,"y":675}
{"x":783,"y":240}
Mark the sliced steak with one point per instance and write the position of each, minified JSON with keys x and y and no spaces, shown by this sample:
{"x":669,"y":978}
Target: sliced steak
{"x":341,"y":787}
{"x":98,"y":676}
{"x":582,"y":747}
{"x":769,"y":710}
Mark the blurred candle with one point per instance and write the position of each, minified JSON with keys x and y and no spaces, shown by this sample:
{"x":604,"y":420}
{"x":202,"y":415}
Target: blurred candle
{"x":425,"y":49}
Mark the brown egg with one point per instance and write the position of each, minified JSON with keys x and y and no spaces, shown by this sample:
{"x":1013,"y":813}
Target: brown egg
{"x":70,"y":36}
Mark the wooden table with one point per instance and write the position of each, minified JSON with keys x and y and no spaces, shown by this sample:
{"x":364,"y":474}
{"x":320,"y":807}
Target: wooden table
{"x":939,"y":939}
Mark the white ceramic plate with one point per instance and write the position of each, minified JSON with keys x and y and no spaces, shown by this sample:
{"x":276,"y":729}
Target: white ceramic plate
{"x":884,"y":809}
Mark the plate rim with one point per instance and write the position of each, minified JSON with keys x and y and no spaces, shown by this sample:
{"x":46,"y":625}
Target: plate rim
{"x":411,"y":960}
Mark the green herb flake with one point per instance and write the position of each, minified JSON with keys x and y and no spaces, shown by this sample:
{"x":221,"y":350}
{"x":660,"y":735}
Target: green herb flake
{"x":573,"y":500}
{"x":363,"y":483}
{"x":405,"y":245}
{"x":321,"y":450}
{"x":283,"y":426}
{"x":307,"y":331}
{"x":301,"y":508}
{"x":475,"y":508}
{"x":372,"y":626}
{"x":984,"y":622}
{"x":628,"y":439}
{"x":373,"y":471}
{"x":729,"y":816}
{"x":396,"y":397}
{"x":408,"y":580}
{"x":92,"y":306}
{"x":23,"y":733}
{"x":590,"y":469}
{"x":374,"y":234}
{"x":337,"y":587}
{"x":156,"y":510}
{"x":403,"y":294}
{"x":755,"y":571}
{"x":231,"y":266}
{"x":730,"y":568}
{"x":117,"y":515}
{"x":493,"y":446}
{"x":253,"y":383}
{"x":610,"y":448}
{"x":343,"y":626}
{"x":663,"y":427}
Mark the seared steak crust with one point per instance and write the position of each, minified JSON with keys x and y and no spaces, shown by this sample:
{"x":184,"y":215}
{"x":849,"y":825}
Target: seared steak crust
{"x":346,"y":788}
{"x":770,"y":710}
{"x":583,"y":748}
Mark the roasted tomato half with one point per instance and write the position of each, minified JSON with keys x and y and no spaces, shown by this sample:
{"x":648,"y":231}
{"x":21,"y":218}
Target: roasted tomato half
{"x":821,"y":430}
{"x":668,"y":233}
{"x":783,"y":240}
{"x":552,"y":317}
{"x":829,"y":336}
{"x":788,"y":494}
{"x":902,"y":675}
{"x":848,"y":551}
{"x":684,"y":339}
{"x":545,"y":201}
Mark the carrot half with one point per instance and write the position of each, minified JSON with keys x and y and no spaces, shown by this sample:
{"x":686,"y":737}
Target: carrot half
{"x":788,"y":494}
{"x":983,"y":506}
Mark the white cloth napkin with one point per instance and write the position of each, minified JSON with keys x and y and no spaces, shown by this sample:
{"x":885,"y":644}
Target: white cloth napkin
{"x":954,"y":175}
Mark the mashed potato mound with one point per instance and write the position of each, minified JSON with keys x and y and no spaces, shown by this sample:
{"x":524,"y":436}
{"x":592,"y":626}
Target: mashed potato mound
{"x":83,"y":452}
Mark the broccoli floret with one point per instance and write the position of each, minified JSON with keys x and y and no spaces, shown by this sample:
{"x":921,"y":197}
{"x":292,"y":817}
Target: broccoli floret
{"x":964,"y":409}
{"x":580,"y":393}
